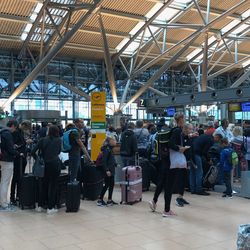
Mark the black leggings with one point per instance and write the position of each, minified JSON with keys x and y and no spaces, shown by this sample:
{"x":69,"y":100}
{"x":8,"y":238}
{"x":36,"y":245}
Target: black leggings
{"x":48,"y":184}
{"x":109,"y":184}
{"x":166,"y":181}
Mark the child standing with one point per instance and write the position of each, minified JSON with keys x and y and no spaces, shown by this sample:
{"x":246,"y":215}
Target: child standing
{"x":108,"y":165}
{"x":226,"y":164}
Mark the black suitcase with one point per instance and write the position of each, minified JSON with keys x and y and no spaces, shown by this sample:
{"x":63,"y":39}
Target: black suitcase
{"x":62,"y":190}
{"x":73,"y":197}
{"x":92,"y":181}
{"x":27,"y":192}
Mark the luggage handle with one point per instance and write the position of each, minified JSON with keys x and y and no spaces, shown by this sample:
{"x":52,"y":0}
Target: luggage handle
{"x":136,"y":159}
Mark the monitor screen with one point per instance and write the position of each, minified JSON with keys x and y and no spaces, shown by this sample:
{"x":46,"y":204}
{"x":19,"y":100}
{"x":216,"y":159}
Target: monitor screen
{"x":234,"y":107}
{"x":245,"y":106}
{"x":170,"y":111}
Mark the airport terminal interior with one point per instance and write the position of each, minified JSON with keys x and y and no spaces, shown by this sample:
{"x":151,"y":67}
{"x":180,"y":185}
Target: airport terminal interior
{"x":125,"y":124}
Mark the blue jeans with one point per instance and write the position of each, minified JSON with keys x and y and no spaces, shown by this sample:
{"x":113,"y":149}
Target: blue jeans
{"x":74,"y":165}
{"x":196,"y":175}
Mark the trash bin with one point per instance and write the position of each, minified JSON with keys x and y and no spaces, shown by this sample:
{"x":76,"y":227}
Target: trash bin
{"x":243,"y":241}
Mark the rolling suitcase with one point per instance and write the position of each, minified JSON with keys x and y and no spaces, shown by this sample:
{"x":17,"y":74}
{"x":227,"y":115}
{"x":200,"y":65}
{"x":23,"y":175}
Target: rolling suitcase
{"x":131,"y":186}
{"x":92,"y":181}
{"x":73,"y":197}
{"x":27,"y":192}
{"x":62,"y":190}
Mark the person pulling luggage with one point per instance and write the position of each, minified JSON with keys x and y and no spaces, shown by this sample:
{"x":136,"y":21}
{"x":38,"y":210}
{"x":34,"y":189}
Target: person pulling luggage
{"x":108,"y":165}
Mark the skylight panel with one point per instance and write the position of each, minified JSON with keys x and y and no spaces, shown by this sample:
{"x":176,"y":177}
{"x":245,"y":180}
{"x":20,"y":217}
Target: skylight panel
{"x":246,"y":14}
{"x":241,"y":28}
{"x":131,"y":48}
{"x":167,"y":14}
{"x":246,"y":63}
{"x":230,"y":26}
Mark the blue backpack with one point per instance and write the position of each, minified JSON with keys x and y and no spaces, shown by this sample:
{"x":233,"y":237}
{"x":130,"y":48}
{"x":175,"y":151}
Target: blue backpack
{"x":66,"y":145}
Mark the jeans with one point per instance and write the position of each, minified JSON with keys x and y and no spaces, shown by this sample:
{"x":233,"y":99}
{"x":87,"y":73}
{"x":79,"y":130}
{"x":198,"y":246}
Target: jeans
{"x":7,"y":172}
{"x":227,"y":180}
{"x":74,"y":165}
{"x":196,"y":175}
{"x":181,"y":180}
{"x":109,"y":185}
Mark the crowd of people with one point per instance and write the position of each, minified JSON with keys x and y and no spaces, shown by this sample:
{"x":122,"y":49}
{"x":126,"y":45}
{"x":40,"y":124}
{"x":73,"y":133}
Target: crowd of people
{"x":201,"y":146}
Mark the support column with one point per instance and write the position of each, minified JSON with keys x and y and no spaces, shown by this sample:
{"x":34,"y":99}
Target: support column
{"x":204,"y":65}
{"x":223,"y":111}
{"x":12,"y":81}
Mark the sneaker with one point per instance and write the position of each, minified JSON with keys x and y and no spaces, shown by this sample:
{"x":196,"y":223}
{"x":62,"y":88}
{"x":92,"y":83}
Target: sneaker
{"x":101,"y":203}
{"x":8,"y":208}
{"x":111,"y":203}
{"x":13,"y":203}
{"x":168,"y":214}
{"x":227,"y":196}
{"x":179,"y":202}
{"x":184,"y":201}
{"x":52,"y":211}
{"x":152,"y":205}
{"x":39,"y":209}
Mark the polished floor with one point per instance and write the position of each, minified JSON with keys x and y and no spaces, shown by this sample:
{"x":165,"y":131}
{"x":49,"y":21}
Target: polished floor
{"x":209,"y":223}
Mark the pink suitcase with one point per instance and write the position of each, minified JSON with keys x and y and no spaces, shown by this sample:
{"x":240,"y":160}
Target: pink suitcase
{"x":131,"y":185}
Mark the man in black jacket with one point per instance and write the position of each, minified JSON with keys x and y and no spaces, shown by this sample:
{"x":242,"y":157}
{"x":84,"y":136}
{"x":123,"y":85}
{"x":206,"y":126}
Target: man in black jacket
{"x":20,"y":162}
{"x":8,"y":153}
{"x":201,"y":146}
{"x":128,"y":146}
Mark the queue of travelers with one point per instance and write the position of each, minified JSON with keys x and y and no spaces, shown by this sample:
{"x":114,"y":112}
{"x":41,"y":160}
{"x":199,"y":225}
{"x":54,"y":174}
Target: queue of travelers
{"x":201,"y":147}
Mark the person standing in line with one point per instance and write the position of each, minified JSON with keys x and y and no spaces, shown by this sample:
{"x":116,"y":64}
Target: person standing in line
{"x":128,"y":146}
{"x":182,"y":172}
{"x":50,"y":148}
{"x":142,"y":136}
{"x":224,"y":131}
{"x":168,"y":176}
{"x":7,"y":156}
{"x":108,"y":166}
{"x":20,"y":161}
{"x":227,"y":167}
{"x":75,"y":151}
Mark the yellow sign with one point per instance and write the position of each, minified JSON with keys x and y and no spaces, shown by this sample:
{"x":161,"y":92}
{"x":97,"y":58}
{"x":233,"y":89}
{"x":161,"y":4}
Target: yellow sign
{"x":98,"y":122}
{"x":98,"y":107}
{"x":97,"y":140}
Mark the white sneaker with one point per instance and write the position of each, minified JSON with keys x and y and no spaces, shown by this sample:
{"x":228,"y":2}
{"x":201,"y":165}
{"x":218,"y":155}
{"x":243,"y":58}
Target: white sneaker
{"x":152,"y":205}
{"x":52,"y":211}
{"x":39,"y":209}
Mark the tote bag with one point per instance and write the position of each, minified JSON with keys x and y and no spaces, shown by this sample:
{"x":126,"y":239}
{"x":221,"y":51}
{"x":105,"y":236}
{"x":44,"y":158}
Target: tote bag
{"x":38,"y":167}
{"x":177,"y":159}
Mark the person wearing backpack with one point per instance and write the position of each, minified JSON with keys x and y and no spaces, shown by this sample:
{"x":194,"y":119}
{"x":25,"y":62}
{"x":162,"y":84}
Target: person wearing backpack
{"x":227,"y":164}
{"x":142,"y":136}
{"x":73,"y":145}
{"x":128,"y":146}
{"x":108,"y":166}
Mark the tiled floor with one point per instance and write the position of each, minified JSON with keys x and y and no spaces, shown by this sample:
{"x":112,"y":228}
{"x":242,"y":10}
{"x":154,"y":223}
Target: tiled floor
{"x":209,"y":223}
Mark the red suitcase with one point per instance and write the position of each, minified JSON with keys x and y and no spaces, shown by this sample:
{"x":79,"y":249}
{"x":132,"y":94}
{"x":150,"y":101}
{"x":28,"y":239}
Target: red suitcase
{"x":131,"y":185}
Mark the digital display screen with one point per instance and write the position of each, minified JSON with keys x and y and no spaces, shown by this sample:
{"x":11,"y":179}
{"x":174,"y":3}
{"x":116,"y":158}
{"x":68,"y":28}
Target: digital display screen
{"x":245,"y":106}
{"x":234,"y":107}
{"x":170,"y":111}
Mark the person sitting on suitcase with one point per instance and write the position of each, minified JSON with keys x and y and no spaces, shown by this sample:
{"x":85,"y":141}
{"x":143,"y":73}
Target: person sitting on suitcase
{"x":108,"y":164}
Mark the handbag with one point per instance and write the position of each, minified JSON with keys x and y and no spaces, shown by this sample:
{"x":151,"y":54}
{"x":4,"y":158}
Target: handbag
{"x":177,"y":159}
{"x":38,"y":167}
